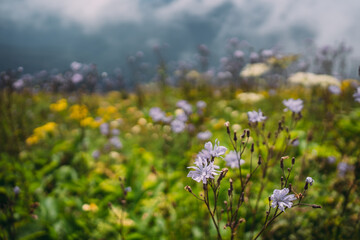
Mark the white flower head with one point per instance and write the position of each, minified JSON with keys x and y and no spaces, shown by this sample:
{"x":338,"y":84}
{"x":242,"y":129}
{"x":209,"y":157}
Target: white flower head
{"x":309,"y":180}
{"x":293,"y":105}
{"x":280,"y":199}
{"x":256,"y":116}
{"x":203,"y":170}
{"x":212,"y":152}
{"x":232,"y":160}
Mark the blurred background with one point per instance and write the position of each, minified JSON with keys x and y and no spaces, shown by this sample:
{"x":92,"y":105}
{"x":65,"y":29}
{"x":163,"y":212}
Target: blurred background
{"x":41,"y":34}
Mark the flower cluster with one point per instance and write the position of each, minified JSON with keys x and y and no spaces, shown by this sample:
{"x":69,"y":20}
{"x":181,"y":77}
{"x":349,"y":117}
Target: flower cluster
{"x":204,"y":162}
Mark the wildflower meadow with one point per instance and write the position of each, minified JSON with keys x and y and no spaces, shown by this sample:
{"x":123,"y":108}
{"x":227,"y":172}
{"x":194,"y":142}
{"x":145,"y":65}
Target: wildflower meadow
{"x":262,"y":145}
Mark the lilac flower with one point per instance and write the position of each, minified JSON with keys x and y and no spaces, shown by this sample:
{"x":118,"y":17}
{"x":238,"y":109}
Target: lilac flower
{"x":76,"y":78}
{"x":201,"y":104}
{"x":344,"y":168}
{"x":95,"y":154}
{"x":156,"y":114}
{"x":254,"y":56}
{"x":167,"y":119}
{"x":280,"y":199}
{"x":293,"y":105}
{"x":16,"y":190}
{"x":104,"y":129}
{"x":238,"y":54}
{"x":204,"y":135}
{"x":115,"y":132}
{"x":309,"y":180}
{"x":331,"y":159}
{"x":232,"y":160}
{"x":75,"y":66}
{"x":203,"y":170}
{"x":18,"y":84}
{"x":256,"y":116}
{"x":334,"y":89}
{"x":357,"y":95}
{"x":177,"y":126}
{"x":267,"y":53}
{"x":184,"y":105}
{"x":182,"y":117}
{"x":115,"y":141}
{"x":212,"y":152}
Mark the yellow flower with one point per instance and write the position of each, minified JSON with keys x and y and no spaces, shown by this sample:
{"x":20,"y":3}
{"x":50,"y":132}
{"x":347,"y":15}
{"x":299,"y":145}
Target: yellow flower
{"x":33,"y":139}
{"x":108,"y":113}
{"x":41,"y":131}
{"x":90,"y":122}
{"x":78,"y":112}
{"x":90,"y":207}
{"x":254,"y":70}
{"x":59,"y":106}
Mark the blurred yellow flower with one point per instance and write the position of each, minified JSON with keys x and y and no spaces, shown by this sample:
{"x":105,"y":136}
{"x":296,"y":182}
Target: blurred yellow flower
{"x":108,"y":113}
{"x":254,"y":70}
{"x":90,"y":122}
{"x":33,"y":139}
{"x":59,"y":106}
{"x":90,"y":207}
{"x":282,"y":62}
{"x":41,"y":132}
{"x":78,"y":112}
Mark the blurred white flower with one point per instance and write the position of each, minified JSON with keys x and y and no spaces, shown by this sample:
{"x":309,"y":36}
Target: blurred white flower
{"x":254,"y":70}
{"x":310,"y":79}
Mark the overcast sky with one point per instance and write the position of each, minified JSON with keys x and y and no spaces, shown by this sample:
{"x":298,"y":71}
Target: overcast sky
{"x":51,"y":33}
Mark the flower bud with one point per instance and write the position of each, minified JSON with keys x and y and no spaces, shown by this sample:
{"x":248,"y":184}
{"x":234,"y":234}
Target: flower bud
{"x":188,"y":188}
{"x":259,"y":161}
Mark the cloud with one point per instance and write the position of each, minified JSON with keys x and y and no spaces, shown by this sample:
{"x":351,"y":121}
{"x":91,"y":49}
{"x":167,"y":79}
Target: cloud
{"x":90,"y":15}
{"x":328,"y":21}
